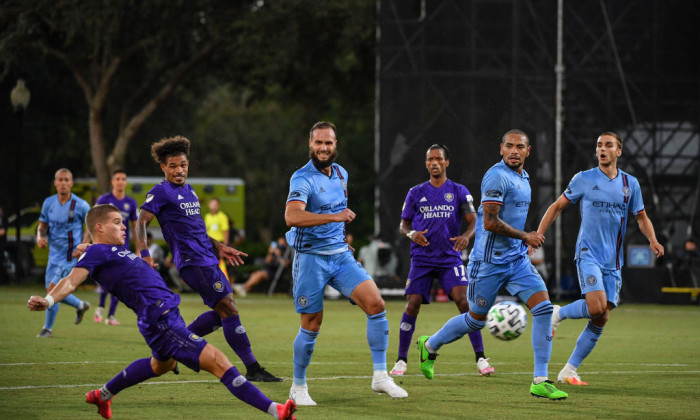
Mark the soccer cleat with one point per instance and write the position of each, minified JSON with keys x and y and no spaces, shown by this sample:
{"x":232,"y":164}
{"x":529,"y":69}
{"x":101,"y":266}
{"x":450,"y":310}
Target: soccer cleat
{"x":485,"y":369}
{"x":80,"y":312}
{"x":103,"y":407}
{"x":568,"y":376}
{"x":112,"y":321}
{"x":176,"y":369}
{"x":399,"y":368}
{"x":555,"y":318}
{"x":261,"y":375}
{"x":240,"y":290}
{"x":99,"y":313}
{"x":383,"y":383}
{"x":425,"y":359}
{"x":286,"y":411}
{"x":45,"y":333}
{"x":300,"y":395}
{"x":547,"y":389}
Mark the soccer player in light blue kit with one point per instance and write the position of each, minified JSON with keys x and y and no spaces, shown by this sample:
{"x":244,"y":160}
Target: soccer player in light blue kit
{"x":317,"y":210}
{"x":606,"y":195}
{"x":142,"y":289}
{"x":61,"y":229}
{"x":499,"y":258}
{"x":431,"y":218}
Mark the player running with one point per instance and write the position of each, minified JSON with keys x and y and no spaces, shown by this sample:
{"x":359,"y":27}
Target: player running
{"x":606,"y":195}
{"x":431,"y":218}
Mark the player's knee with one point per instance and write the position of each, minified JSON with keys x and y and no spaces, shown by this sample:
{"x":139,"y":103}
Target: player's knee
{"x":376,"y":306}
{"x":597,"y":310}
{"x":226,"y":307}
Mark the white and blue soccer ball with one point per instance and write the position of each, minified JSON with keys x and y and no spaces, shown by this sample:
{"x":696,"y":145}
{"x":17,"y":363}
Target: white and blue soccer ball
{"x":506,"y":320}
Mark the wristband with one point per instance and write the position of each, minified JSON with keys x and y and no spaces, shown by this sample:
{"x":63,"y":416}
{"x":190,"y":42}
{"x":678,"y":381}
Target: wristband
{"x":410,"y":234}
{"x":51,"y":300}
{"x":144,"y":253}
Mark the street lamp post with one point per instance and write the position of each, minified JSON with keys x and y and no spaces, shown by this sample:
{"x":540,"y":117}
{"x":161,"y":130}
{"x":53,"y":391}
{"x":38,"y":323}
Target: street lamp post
{"x":19,"y":96}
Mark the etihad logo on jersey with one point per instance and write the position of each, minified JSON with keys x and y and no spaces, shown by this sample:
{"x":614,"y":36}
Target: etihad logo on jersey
{"x":612,"y":208}
{"x":441,"y":211}
{"x":340,"y":205}
{"x":191,"y":208}
{"x":522,"y":204}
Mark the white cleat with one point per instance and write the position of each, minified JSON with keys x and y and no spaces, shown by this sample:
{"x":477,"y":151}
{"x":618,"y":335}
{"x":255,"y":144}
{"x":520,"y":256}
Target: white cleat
{"x":485,"y":369}
{"x":240,"y":291}
{"x":556,"y":320}
{"x":383,"y":383}
{"x":399,"y":368}
{"x":300,"y":395}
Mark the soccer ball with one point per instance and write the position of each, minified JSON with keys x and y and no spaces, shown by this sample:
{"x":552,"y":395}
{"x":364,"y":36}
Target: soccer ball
{"x":506,"y":320}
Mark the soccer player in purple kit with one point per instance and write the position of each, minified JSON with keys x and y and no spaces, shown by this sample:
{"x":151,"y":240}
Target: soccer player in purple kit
{"x":431,"y":218}
{"x":128,"y":208}
{"x":142,"y":289}
{"x":175,"y":204}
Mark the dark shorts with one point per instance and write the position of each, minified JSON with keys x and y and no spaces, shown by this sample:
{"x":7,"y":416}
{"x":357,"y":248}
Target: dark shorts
{"x":210,"y":282}
{"x":169,"y":338}
{"x":420,"y":279}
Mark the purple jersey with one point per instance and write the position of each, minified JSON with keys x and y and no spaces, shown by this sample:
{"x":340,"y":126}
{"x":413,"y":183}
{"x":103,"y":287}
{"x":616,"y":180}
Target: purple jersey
{"x":127,"y":207}
{"x":126,"y":276}
{"x":178,"y":211}
{"x":441,"y":211}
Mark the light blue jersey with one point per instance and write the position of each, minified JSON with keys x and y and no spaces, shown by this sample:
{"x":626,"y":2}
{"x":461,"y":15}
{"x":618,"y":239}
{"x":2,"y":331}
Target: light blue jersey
{"x":322,"y":195}
{"x":511,"y":190}
{"x":65,"y":223}
{"x":605,"y":205}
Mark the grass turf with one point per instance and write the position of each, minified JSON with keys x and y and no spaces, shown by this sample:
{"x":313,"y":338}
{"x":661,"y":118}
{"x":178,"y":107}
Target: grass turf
{"x":647,"y":365}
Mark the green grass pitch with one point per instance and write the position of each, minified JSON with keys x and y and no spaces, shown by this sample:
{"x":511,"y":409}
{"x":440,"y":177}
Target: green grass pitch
{"x":646,"y":365}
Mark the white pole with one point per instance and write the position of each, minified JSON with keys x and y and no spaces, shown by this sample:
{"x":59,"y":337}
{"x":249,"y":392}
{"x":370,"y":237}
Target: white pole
{"x":559,"y":70}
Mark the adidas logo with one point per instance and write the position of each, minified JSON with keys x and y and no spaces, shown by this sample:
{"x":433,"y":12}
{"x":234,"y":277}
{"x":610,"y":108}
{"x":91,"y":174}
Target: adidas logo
{"x":596,"y":188}
{"x":422,"y":200}
{"x":179,"y":197}
{"x":321,"y":190}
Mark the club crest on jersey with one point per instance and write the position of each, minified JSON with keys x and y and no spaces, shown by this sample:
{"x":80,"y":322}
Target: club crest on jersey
{"x":591,"y":280}
{"x":302,"y":301}
{"x":126,"y":206}
{"x":218,"y":286}
{"x":449,"y":197}
{"x":195,"y":337}
{"x":626,"y":191}
{"x":481,"y":301}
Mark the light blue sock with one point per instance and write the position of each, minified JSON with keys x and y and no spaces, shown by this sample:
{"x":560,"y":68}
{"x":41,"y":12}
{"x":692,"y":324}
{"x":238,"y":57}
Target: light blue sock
{"x":454,"y":329}
{"x":585,"y":343}
{"x":378,"y":339}
{"x":303,"y":349}
{"x":72,"y":301}
{"x":542,"y":336}
{"x":575,"y":310}
{"x":51,"y":316}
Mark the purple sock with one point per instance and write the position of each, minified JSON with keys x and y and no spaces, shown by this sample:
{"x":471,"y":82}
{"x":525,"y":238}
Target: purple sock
{"x":205,"y":323}
{"x":137,"y":372}
{"x":113,"y":305}
{"x":103,"y":297}
{"x":408,"y":325}
{"x":238,"y":339}
{"x":477,"y":341}
{"x":239,"y":386}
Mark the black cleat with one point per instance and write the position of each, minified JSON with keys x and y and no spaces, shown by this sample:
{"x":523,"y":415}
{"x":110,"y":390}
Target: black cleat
{"x":261,"y":375}
{"x":80,"y":313}
{"x":176,"y":369}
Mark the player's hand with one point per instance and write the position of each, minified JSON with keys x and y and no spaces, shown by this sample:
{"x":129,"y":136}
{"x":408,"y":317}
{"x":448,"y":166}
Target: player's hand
{"x":149,"y":261}
{"x":346,"y":216}
{"x":80,"y":249}
{"x":657,"y":249}
{"x":533,"y":239}
{"x":461,"y":243}
{"x":41,"y":242}
{"x":420,"y":239}
{"x":232,"y":255}
{"x":530,"y":250}
{"x":37,"y":303}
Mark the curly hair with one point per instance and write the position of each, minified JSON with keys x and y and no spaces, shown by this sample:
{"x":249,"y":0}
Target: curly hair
{"x":172,"y":146}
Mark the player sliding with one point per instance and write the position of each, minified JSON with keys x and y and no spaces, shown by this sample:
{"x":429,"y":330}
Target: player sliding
{"x":607,"y":196}
{"x":141,"y":288}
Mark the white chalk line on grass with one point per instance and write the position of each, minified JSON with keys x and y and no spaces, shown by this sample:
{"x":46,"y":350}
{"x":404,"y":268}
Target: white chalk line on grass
{"x":332,"y":378}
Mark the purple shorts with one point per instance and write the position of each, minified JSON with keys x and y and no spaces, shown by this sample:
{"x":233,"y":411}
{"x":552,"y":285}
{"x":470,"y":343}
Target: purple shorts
{"x":169,"y":338}
{"x":210,"y":282}
{"x":420,"y":279}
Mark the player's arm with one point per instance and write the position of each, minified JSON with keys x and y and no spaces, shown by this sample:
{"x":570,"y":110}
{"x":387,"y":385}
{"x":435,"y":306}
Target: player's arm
{"x":231,"y":255}
{"x":141,"y":237}
{"x":648,"y":230}
{"x":64,"y":287}
{"x":552,"y":213}
{"x":136,"y":242}
{"x":295,"y":215}
{"x":42,"y":235}
{"x":406,"y":229}
{"x":462,"y":241}
{"x":493,"y":223}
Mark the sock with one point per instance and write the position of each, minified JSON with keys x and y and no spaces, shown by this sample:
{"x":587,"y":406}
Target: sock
{"x":539,"y":379}
{"x":51,"y":316}
{"x":585,"y":343}
{"x":103,"y":298}
{"x":303,"y":349}
{"x":239,"y":386}
{"x":542,"y":336}
{"x":137,"y":372}
{"x":378,"y":339}
{"x":575,"y":310}
{"x":272,"y":410}
{"x":72,"y":301}
{"x":408,"y":325}
{"x":237,"y":338}
{"x":113,"y":305}
{"x":205,"y":323}
{"x":454,"y":329}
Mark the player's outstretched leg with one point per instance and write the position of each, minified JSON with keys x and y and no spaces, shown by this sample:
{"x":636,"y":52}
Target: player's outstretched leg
{"x":426,"y":358}
{"x":137,"y":372}
{"x":584,"y":346}
{"x":111,"y":319}
{"x":80,"y":306}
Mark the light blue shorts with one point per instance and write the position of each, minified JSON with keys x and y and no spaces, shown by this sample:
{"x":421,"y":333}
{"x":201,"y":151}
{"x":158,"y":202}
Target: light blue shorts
{"x":311,"y":273}
{"x":55,"y":272}
{"x":519,"y":277}
{"x":591,"y":278}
